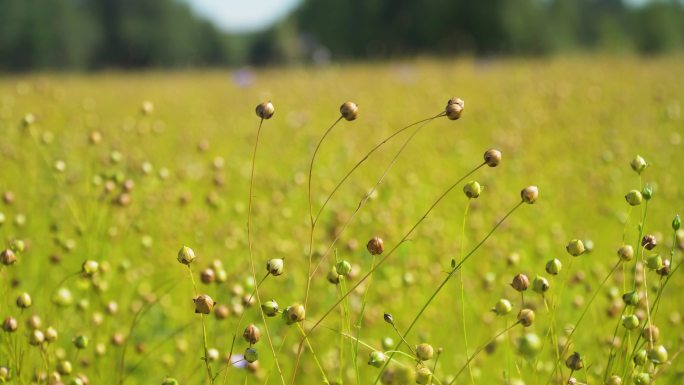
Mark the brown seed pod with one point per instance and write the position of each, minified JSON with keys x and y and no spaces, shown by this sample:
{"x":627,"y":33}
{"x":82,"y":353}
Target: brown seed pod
{"x":375,"y":246}
{"x":492,"y":157}
{"x":574,"y":362}
{"x":251,"y":334}
{"x":7,"y":257}
{"x":349,"y":111}
{"x":10,"y":324}
{"x":526,"y":317}
{"x":649,"y":242}
{"x":520,"y":282}
{"x":203,"y":304}
{"x":221,"y":312}
{"x":529,"y":194}
{"x":207,"y":276}
{"x":265,"y":110}
{"x":651,"y":333}
{"x":454,"y":108}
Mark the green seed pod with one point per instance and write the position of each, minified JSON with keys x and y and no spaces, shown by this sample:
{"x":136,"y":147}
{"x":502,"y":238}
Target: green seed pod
{"x":649,"y":242}
{"x":423,"y":376}
{"x":634,"y":198}
{"x":186,"y":255}
{"x":265,"y":110}
{"x":554,"y":266}
{"x":220,"y":276}
{"x":89,"y":268}
{"x":81,"y":342}
{"x":454,"y":108}
{"x":275,"y":266}
{"x":651,"y":333}
{"x":375,"y":246}
{"x":76,"y":381}
{"x":520,"y":282}
{"x":642,"y":379}
{"x":630,"y":322}
{"x":540,"y":285}
{"x":36,"y":338}
{"x":387,"y":343}
{"x":658,"y":355}
{"x":676,"y":223}
{"x":529,"y":194}
{"x":377,"y":359}
{"x":10,"y":325}
{"x":654,"y":262}
{"x":203,"y":304}
{"x":647,"y":192}
{"x":4,"y":374}
{"x":526,"y":317}
{"x":631,"y":298}
{"x":640,"y":357}
{"x":424,"y":351}
{"x":18,"y":246}
{"x":170,"y":381}
{"x":251,"y":355}
{"x":34,"y":322}
{"x":64,"y":367}
{"x":7,"y":257}
{"x":343,"y":268}
{"x":614,"y":380}
{"x":502,"y":307}
{"x":270,"y":308}
{"x":51,"y":334}
{"x":472,"y":189}
{"x":575,"y":247}
{"x":638,"y":164}
{"x":529,"y":345}
{"x":626,"y":253}
{"x":294,"y":313}
{"x":251,"y":334}
{"x":349,"y":111}
{"x":492,"y":157}
{"x":24,"y":301}
{"x":63,"y":297}
{"x":574,"y":362}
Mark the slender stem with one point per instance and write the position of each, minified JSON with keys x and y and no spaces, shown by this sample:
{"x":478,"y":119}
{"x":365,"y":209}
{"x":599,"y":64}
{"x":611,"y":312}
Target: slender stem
{"x":480,"y":349}
{"x":365,"y":277}
{"x":251,"y":253}
{"x":462,"y":287}
{"x":325,"y":378}
{"x":204,"y":333}
{"x":237,"y":326}
{"x":313,"y":223}
{"x":453,"y":271}
{"x":359,"y":321}
{"x":368,"y":195}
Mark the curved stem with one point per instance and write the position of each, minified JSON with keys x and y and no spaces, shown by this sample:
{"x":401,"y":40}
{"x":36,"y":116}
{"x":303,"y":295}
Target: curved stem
{"x":251,"y":253}
{"x":454,"y":270}
{"x":383,"y":260}
{"x":480,"y":349}
{"x":311,"y":218}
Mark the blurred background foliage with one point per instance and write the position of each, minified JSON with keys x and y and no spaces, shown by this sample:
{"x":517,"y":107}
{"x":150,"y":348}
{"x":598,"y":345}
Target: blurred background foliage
{"x":101,"y":34}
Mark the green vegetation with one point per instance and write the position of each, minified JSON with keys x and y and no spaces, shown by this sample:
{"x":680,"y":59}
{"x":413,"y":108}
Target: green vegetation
{"x":142,"y":211}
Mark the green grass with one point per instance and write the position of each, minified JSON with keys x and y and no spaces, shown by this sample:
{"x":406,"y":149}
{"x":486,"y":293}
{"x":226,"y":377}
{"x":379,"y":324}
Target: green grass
{"x":570,"y":126}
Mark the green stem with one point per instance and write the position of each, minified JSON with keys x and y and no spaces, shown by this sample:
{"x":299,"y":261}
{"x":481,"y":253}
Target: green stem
{"x":462,"y":287}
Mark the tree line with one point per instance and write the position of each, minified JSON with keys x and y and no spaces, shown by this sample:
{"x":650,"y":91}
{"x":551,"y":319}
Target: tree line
{"x":96,"y":34}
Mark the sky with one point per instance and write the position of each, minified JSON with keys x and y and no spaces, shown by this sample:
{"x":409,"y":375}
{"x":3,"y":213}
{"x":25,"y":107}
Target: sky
{"x":243,"y":15}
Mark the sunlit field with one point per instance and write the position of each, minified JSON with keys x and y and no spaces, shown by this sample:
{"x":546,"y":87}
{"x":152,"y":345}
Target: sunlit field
{"x":105,"y":177}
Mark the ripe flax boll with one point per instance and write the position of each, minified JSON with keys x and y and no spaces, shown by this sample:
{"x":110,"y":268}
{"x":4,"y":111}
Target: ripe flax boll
{"x":529,"y":194}
{"x":526,"y":317}
{"x":375,"y":246}
{"x":275,"y":266}
{"x":454,"y":108}
{"x":492,"y":157}
{"x":265,"y":110}
{"x":203,"y":304}
{"x":251,"y":334}
{"x":424,"y":351}
{"x":520,"y":282}
{"x":349,"y":111}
